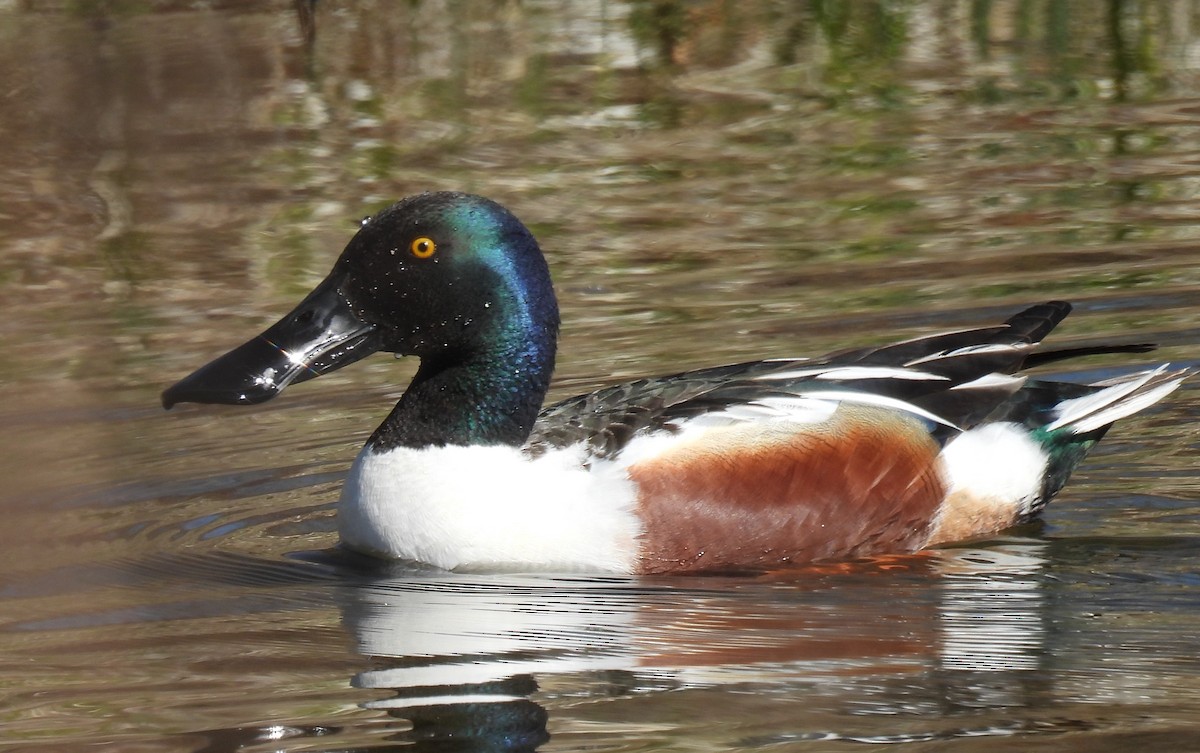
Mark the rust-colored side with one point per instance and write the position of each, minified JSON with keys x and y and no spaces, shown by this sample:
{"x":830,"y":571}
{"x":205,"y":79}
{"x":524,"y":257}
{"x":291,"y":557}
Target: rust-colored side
{"x":864,"y":482}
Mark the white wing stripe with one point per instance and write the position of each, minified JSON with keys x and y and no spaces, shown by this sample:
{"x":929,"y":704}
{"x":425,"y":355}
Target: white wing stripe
{"x":853,"y":372}
{"x":883,"y":401}
{"x":969,"y":350}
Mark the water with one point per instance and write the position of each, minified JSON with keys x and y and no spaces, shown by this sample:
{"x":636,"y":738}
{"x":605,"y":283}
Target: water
{"x":711,"y":182}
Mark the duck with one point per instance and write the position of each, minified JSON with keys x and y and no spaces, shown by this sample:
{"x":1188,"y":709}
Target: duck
{"x":760,"y":465}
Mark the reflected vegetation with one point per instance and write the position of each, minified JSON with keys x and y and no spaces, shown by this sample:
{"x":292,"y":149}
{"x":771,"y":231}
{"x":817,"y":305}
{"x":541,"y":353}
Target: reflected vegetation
{"x":230,"y":151}
{"x":711,"y":181}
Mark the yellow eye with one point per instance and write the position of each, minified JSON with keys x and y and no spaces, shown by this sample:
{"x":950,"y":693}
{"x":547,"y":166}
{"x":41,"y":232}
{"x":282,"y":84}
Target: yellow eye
{"x":422,"y":247}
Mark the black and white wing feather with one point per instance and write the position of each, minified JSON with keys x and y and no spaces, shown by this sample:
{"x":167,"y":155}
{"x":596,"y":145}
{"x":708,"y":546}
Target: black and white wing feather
{"x":954,"y":380}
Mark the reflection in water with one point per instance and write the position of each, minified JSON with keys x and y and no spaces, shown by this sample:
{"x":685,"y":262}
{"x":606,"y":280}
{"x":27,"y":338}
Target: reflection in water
{"x":991,"y":608}
{"x":468,"y":650}
{"x":489,"y":659}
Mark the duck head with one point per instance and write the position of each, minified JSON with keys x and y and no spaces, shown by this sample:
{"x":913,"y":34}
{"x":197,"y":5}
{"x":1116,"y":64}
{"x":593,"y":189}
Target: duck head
{"x":452,"y":278}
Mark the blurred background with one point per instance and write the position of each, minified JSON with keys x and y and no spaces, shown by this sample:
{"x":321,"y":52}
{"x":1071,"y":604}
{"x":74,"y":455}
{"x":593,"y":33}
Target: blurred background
{"x":711,"y":181}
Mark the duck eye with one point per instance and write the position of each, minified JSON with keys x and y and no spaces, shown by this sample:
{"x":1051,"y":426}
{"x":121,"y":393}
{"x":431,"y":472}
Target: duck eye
{"x":422,"y":247}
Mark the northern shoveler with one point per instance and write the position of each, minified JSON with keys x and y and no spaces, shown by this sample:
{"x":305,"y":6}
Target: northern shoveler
{"x":750,"y":465}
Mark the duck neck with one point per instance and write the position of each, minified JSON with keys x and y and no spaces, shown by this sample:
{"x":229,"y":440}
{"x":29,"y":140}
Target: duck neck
{"x":486,"y":396}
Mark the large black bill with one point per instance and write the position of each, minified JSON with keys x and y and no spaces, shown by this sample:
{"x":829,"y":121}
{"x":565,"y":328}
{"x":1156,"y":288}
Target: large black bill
{"x":322,"y":334}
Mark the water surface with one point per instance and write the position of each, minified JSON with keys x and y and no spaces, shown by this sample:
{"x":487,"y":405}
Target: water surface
{"x":711,"y":182}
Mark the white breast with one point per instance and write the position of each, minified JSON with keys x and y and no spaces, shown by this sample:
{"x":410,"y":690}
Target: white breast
{"x":490,"y":508}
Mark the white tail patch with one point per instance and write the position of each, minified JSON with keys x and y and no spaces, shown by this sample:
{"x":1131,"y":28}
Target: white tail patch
{"x":997,"y":462}
{"x":1119,"y":399}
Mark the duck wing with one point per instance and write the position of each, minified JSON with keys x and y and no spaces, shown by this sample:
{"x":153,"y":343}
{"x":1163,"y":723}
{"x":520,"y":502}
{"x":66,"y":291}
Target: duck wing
{"x":952,"y":380}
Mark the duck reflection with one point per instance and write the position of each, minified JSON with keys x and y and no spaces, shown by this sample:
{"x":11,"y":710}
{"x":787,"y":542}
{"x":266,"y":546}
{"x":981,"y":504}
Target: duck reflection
{"x":492,"y":662}
{"x":991,"y":608}
{"x":488,"y":717}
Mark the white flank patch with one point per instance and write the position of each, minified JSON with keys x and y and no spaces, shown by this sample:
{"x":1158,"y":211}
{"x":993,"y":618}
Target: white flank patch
{"x":998,"y":462}
{"x":490,"y":508}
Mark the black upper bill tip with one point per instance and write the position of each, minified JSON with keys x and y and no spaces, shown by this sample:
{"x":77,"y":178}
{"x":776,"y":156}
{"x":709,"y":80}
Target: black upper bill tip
{"x":249,"y":374}
{"x":320,"y":335}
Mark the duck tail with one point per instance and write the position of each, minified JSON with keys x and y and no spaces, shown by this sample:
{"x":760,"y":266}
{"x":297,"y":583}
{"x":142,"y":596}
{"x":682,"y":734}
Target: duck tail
{"x":1082,"y":418}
